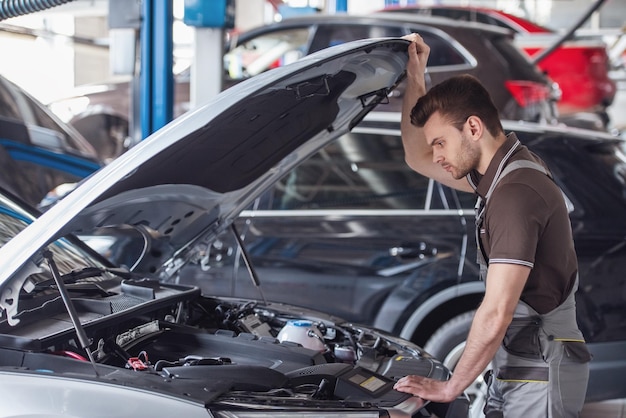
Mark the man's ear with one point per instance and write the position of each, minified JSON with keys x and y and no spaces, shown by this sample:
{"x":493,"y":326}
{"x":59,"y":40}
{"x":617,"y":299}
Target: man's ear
{"x":474,"y":126}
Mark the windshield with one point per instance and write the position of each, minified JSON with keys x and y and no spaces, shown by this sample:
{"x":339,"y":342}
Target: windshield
{"x":67,"y":256}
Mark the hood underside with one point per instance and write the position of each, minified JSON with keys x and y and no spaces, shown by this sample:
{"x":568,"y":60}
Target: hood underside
{"x":190,"y":179}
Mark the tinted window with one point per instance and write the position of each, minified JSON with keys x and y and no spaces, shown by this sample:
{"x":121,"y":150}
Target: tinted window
{"x":591,"y":174}
{"x":36,"y":178}
{"x":442,"y":53}
{"x":454,"y":14}
{"x":468,"y":15}
{"x":518,"y":61}
{"x":331,"y":35}
{"x":66,"y":256}
{"x":8,"y":107}
{"x":358,"y":171}
{"x":43,"y":130}
{"x":489,"y":20}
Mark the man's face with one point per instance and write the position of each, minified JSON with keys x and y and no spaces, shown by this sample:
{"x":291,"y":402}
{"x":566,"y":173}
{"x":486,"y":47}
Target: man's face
{"x":454,"y":150}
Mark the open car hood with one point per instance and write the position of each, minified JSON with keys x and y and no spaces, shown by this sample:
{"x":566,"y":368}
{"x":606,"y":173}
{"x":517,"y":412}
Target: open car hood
{"x":187,"y":182}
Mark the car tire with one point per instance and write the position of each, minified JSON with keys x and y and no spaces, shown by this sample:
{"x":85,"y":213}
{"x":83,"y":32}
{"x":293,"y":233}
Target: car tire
{"x":447,"y":344}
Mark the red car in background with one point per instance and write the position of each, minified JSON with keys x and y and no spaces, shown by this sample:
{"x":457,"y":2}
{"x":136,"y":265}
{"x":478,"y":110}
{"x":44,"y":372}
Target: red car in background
{"x":580,"y":67}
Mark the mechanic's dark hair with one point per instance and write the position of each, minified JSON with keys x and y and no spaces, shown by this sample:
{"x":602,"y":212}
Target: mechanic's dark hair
{"x":456,"y":99}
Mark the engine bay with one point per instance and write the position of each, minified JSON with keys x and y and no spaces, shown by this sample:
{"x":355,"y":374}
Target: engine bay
{"x":215,"y":350}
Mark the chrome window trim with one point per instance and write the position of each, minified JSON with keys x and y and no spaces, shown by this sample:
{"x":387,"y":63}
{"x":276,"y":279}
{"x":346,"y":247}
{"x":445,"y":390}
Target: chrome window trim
{"x":344,"y":213}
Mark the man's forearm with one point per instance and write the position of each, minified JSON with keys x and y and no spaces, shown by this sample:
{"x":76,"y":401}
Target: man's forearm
{"x":484,"y":339}
{"x":417,"y":151}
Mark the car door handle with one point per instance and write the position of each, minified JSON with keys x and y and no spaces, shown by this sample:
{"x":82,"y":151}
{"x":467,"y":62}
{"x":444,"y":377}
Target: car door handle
{"x":419,"y":251}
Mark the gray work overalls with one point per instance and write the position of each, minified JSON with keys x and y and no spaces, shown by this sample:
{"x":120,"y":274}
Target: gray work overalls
{"x":541,"y":369}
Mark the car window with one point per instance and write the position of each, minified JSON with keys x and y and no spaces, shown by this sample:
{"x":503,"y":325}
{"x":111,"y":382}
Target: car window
{"x":270,"y":50}
{"x":67,"y":257}
{"x":489,"y":20}
{"x":43,"y":130}
{"x":607,"y":161}
{"x":455,"y":14}
{"x":8,"y":106}
{"x":357,"y":171}
{"x":281,"y":47}
{"x":331,"y":35}
{"x":442,"y":52}
{"x":469,"y":16}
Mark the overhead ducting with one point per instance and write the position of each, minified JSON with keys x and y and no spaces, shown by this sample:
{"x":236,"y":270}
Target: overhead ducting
{"x":15,"y":8}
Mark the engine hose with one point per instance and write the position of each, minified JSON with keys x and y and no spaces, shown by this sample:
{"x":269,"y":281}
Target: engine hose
{"x":14,"y":8}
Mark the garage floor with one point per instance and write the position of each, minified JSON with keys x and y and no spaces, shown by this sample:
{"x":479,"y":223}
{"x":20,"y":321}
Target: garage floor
{"x":606,"y":409}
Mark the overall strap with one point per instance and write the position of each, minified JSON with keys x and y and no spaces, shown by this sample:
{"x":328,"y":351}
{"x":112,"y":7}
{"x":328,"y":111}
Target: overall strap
{"x":514,"y":166}
{"x":482,"y":258}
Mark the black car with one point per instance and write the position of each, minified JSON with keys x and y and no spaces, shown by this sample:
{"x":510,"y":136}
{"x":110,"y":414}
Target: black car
{"x":519,"y":89}
{"x":37,"y":151}
{"x":580,"y":65}
{"x":353,"y":231}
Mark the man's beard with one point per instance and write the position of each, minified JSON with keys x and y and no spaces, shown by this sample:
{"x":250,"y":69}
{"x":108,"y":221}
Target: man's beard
{"x":467,"y":159}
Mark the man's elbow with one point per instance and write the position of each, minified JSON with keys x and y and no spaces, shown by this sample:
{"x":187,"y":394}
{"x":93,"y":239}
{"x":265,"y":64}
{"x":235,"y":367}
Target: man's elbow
{"x":497,"y":318}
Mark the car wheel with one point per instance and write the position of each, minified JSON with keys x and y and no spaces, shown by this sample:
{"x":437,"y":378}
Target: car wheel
{"x":447,"y":344}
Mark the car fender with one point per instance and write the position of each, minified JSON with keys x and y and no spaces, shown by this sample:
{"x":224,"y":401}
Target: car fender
{"x":42,"y":394}
{"x":437,"y":300}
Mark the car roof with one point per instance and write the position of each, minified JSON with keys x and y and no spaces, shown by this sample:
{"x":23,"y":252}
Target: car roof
{"x":520,"y":23}
{"x":381,"y":18}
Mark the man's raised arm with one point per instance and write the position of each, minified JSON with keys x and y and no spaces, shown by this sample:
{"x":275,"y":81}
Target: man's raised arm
{"x":418,"y":153}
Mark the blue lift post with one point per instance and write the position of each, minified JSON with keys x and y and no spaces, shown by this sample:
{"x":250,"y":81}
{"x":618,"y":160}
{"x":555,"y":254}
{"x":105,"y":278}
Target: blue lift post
{"x":157,"y":60}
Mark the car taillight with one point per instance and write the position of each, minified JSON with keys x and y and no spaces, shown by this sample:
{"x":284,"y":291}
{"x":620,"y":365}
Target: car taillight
{"x":527,"y":92}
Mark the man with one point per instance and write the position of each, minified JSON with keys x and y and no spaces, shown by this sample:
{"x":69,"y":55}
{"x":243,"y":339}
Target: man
{"x":526,"y":323}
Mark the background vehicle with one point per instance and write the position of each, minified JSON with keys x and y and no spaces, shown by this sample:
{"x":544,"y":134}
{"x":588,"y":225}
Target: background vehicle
{"x":353,"y":231}
{"x":580,"y":66}
{"x":518,"y":88}
{"x":37,"y":151}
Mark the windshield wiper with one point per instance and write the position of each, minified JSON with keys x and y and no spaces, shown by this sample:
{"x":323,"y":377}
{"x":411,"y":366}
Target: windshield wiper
{"x":85,"y":273}
{"x":71,"y":310}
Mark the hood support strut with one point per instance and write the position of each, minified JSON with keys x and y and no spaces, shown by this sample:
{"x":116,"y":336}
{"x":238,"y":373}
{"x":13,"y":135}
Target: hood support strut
{"x":71,"y":310}
{"x":248,"y":261}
